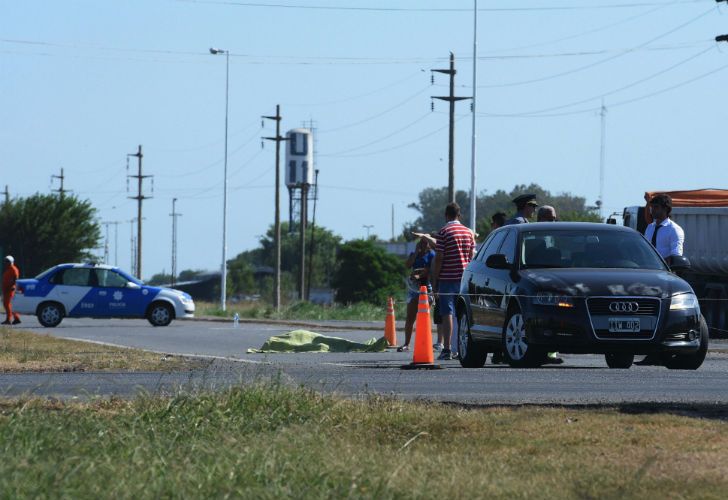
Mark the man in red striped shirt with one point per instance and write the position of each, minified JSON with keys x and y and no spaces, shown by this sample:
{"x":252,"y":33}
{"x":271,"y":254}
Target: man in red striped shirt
{"x":455,"y":248}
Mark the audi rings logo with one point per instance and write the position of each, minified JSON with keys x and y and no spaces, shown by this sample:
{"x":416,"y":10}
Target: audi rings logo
{"x":624,"y":307}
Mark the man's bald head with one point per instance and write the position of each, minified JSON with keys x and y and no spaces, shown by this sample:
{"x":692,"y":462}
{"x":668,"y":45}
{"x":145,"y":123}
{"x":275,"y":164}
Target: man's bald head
{"x":546,"y":213}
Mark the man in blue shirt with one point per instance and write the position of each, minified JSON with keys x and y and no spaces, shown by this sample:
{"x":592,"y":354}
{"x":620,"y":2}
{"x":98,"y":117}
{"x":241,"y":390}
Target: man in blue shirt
{"x":667,"y":238}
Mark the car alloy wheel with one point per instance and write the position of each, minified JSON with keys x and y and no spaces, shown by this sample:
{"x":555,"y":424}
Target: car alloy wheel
{"x":160,"y":315}
{"x":471,"y":354}
{"x":50,"y":315}
{"x":463,"y":336}
{"x":515,"y":337}
{"x":518,"y":352}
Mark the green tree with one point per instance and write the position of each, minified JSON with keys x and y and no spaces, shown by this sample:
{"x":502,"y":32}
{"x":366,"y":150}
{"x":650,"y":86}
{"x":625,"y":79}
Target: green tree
{"x":160,"y":279}
{"x":243,"y":266}
{"x":41,"y":231}
{"x":366,"y":273}
{"x":432,"y":203}
{"x":189,"y":274}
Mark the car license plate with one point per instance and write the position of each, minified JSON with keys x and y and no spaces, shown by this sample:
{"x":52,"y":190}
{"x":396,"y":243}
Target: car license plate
{"x":624,"y":325}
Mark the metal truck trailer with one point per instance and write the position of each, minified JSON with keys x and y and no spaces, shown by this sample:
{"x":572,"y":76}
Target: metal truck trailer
{"x":706,"y":245}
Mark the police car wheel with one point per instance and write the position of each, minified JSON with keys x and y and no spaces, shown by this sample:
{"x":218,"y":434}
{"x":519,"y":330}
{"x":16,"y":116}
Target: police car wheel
{"x":50,"y":314}
{"x":160,"y":314}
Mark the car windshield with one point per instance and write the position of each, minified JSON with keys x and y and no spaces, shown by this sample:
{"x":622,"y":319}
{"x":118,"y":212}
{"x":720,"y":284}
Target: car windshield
{"x":45,"y":273}
{"x":587,"y":249}
{"x":130,"y":277}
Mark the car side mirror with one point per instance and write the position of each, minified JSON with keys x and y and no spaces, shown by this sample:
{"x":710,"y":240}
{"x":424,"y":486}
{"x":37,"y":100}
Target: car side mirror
{"x":132,"y":285}
{"x":679,"y":263}
{"x":497,"y":261}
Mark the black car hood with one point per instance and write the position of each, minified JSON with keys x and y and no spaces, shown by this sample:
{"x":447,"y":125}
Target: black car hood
{"x":605,"y":282}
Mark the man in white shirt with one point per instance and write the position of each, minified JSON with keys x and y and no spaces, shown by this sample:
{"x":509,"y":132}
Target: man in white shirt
{"x":667,"y":238}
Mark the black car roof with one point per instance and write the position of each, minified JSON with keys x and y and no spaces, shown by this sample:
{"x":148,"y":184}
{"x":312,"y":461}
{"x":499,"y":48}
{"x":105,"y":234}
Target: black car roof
{"x":578,"y":226}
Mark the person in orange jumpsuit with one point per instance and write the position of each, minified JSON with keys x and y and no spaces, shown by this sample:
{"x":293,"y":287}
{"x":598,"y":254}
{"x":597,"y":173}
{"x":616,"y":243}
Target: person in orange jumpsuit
{"x":10,"y":276}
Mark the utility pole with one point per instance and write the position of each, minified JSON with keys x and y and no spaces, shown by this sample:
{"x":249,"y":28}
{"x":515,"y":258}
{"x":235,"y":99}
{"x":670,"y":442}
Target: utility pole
{"x":313,"y":235}
{"x":473,"y":195}
{"x":602,"y":159}
{"x":116,"y":242}
{"x":132,"y":241}
{"x":277,"y":224}
{"x":452,"y":99}
{"x":392,"y":221}
{"x":60,"y":190}
{"x":139,"y":198}
{"x":7,"y":194}
{"x":106,"y":243}
{"x":302,"y":241}
{"x":174,"y":215}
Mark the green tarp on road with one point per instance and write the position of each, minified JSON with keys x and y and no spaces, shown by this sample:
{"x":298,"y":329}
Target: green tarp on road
{"x":305,"y":341}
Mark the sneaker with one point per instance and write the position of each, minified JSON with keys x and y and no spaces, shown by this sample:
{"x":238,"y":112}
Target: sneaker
{"x":456,"y":356}
{"x":6,"y":322}
{"x":16,"y":321}
{"x":445,"y":355}
{"x":553,"y":358}
{"x":403,"y":348}
{"x":498,"y":358}
{"x":437,"y":347}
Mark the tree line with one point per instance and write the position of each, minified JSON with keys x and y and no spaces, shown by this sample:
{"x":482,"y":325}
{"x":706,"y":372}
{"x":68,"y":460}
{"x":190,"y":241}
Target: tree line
{"x":41,"y":231}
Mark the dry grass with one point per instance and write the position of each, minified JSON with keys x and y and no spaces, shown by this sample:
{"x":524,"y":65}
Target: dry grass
{"x":273,"y":442}
{"x":24,"y":351}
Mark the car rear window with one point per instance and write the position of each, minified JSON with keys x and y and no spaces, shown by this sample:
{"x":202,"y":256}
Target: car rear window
{"x":587,"y":249}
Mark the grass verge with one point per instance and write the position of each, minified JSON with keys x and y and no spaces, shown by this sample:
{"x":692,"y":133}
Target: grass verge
{"x":25,"y":351}
{"x":270,"y":441}
{"x":301,"y":311}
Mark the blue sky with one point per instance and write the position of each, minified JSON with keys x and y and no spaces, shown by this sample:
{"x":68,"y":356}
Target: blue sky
{"x":84,"y":82}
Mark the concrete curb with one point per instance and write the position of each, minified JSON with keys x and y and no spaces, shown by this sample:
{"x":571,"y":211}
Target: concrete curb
{"x":333,"y":325}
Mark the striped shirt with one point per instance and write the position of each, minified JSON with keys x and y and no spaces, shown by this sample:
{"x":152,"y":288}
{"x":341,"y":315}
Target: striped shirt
{"x":456,"y":243}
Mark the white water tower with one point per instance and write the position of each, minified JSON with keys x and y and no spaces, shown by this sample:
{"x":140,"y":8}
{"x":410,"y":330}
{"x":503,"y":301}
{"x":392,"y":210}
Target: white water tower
{"x":299,"y":171}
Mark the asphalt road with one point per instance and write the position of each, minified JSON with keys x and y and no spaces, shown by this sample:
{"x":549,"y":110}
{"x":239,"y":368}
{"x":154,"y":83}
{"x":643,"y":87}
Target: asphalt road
{"x":582,"y":379}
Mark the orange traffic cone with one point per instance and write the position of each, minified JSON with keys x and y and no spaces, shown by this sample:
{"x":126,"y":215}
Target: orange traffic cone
{"x":423,"y":356}
{"x":390,"y":330}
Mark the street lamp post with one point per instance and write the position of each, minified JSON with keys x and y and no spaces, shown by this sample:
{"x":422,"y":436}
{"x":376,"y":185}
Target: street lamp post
{"x":223,"y":278}
{"x":368,"y":227}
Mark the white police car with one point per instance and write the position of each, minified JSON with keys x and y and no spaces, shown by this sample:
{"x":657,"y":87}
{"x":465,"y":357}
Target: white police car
{"x":97,"y":291}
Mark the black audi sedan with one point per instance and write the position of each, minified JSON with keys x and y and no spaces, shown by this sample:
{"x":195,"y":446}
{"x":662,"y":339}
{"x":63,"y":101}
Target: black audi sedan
{"x":576,"y":287}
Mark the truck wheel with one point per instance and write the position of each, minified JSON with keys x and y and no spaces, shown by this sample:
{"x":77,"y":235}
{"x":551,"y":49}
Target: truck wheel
{"x":160,"y":314}
{"x":619,"y":360}
{"x":689,"y":361}
{"x":518,"y":353}
{"x":471,"y":354}
{"x":50,"y":314}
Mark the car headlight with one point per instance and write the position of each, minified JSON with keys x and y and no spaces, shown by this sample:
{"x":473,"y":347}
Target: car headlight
{"x":553,"y":299}
{"x":683,"y":302}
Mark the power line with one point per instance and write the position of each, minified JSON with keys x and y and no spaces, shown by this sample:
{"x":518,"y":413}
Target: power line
{"x":367,"y":94}
{"x":614,"y":104}
{"x":378,"y":115}
{"x":601,"y":61}
{"x":402,"y":145}
{"x":383,"y":138}
{"x":433,"y":9}
{"x":589,"y":32}
{"x":614,"y":91}
{"x":338,"y":60}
